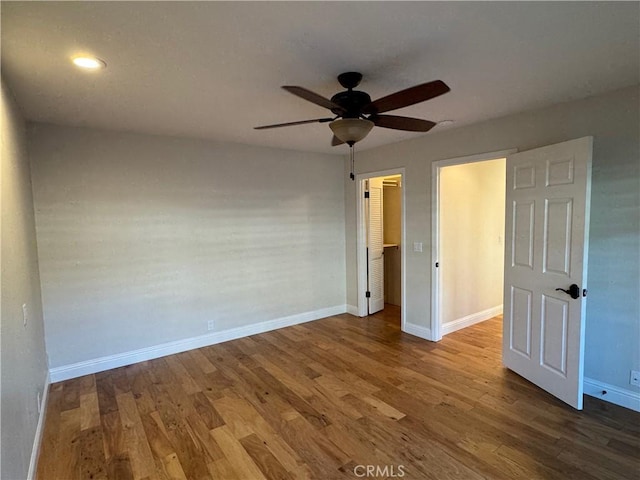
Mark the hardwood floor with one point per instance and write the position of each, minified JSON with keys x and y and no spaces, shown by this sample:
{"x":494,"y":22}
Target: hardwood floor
{"x":341,"y":397}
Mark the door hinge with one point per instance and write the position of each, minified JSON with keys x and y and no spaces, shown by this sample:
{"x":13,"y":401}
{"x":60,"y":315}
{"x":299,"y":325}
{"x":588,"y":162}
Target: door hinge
{"x":584,"y":292}
{"x":367,"y":294}
{"x":437,"y":264}
{"x":366,"y":194}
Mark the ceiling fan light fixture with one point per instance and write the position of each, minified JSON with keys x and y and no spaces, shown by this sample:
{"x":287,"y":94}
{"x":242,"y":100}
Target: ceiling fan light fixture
{"x":351,"y":130}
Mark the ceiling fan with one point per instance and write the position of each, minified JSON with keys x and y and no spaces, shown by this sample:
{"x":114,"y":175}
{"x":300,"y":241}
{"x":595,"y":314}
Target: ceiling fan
{"x":355,"y":113}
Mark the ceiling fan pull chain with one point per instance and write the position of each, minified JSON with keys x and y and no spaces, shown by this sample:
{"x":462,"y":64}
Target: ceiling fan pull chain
{"x":352,"y":161}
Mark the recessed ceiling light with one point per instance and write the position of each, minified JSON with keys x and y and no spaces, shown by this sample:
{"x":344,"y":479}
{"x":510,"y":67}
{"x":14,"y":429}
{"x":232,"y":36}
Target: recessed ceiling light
{"x":89,"y":63}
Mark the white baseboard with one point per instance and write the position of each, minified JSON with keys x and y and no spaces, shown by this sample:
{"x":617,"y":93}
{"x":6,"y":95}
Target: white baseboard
{"x":472,"y":319}
{"x":619,"y":396}
{"x":352,"y":310}
{"x":37,"y":440}
{"x":418,"y":331}
{"x":101,"y":364}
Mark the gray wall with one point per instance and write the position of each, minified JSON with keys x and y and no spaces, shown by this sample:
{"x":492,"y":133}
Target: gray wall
{"x":23,"y":358}
{"x":144,"y":239}
{"x":613,"y":306}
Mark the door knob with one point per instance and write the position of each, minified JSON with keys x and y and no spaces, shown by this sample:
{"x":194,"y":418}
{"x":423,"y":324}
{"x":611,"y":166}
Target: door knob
{"x":574,"y":291}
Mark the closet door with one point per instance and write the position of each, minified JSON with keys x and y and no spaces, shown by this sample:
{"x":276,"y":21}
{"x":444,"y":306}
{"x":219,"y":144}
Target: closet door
{"x":375,"y":246}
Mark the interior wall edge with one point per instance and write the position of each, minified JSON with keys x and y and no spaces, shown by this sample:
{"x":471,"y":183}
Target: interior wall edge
{"x":37,"y":441}
{"x":23,"y":357}
{"x":352,"y":310}
{"x":418,"y":331}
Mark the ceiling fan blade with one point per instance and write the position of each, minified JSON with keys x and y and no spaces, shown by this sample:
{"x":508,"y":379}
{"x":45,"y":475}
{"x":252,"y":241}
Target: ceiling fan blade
{"x":315,"y":98}
{"x":407,"y":97}
{"x":335,"y":141}
{"x":289,"y":124}
{"x":402,"y":123}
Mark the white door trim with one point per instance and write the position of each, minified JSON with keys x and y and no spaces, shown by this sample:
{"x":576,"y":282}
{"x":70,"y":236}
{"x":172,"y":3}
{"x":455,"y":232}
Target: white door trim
{"x":436,"y":276}
{"x":361,"y":246}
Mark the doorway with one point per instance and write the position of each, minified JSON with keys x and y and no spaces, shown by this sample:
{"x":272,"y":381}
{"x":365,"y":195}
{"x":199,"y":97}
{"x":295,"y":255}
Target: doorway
{"x":380,"y":241}
{"x":468,"y":199}
{"x":546,"y":252}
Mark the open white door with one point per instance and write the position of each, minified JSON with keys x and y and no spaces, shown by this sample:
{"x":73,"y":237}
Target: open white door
{"x":547,"y":227}
{"x":375,"y":246}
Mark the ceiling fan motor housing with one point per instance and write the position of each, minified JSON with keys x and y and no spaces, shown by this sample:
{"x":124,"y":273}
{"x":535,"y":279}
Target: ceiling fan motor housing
{"x":352,"y":101}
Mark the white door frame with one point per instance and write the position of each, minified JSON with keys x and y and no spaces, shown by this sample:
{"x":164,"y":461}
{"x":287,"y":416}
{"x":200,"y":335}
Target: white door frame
{"x":361,"y":240}
{"x":436,"y":275}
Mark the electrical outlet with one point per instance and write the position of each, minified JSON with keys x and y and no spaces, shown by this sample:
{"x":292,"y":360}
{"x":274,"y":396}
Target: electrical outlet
{"x":210,"y":325}
{"x":25,"y":314}
{"x":417,"y":246}
{"x":635,"y":378}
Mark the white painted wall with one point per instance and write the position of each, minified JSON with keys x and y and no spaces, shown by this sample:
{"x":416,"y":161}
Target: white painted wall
{"x":613,"y":307}
{"x":23,"y":361}
{"x":144,"y":239}
{"x":392,"y":208}
{"x":471,"y":259}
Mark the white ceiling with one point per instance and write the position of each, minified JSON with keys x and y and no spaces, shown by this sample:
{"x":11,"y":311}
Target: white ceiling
{"x":213,"y":69}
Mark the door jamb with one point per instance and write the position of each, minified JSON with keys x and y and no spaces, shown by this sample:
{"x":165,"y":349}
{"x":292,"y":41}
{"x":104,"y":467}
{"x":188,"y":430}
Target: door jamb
{"x":436,"y":275}
{"x":361,"y":244}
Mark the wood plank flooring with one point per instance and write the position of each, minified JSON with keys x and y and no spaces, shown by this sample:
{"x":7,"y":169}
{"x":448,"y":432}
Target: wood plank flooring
{"x":341,"y":397}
